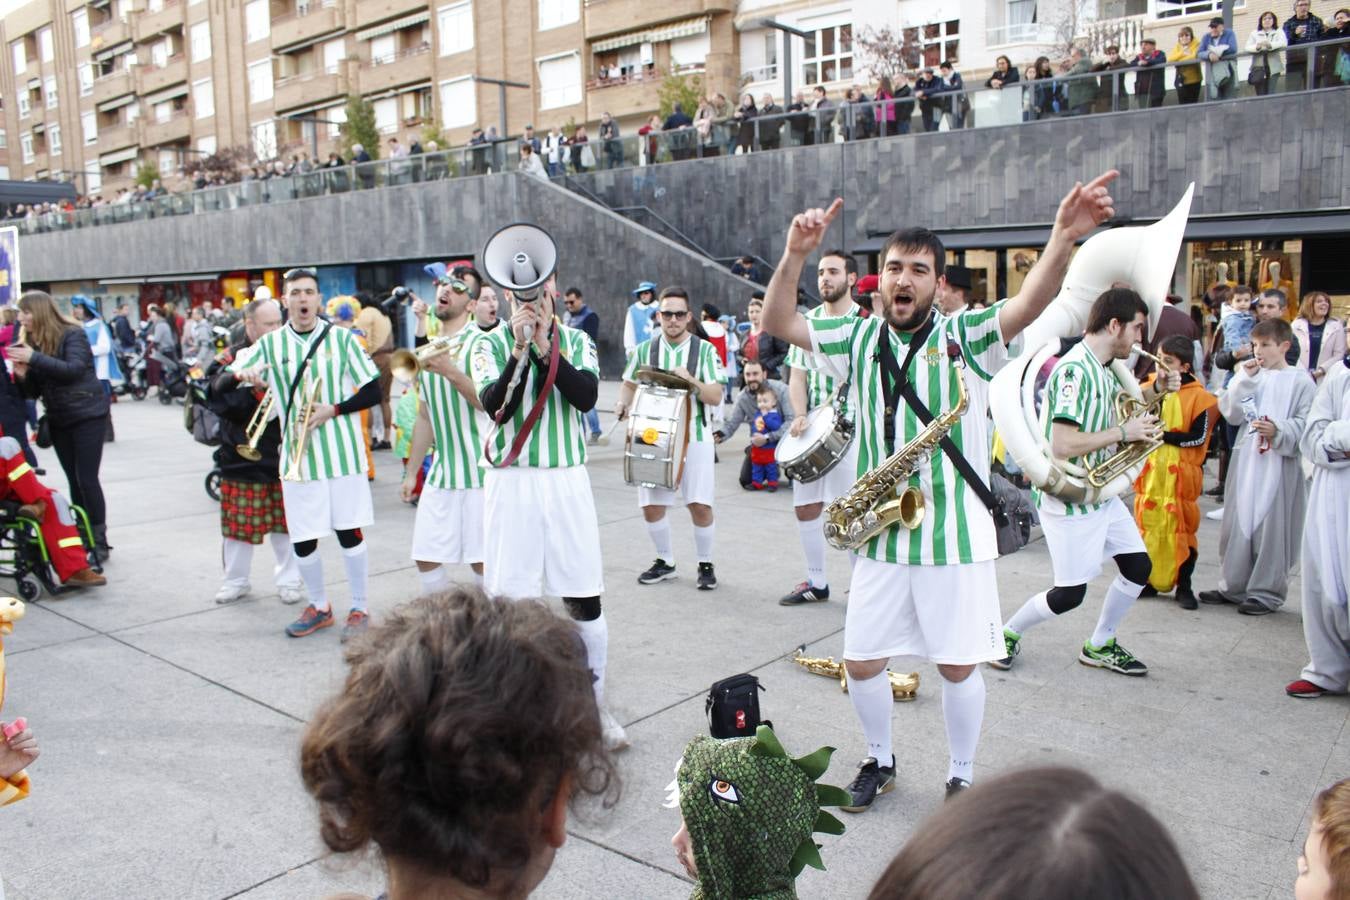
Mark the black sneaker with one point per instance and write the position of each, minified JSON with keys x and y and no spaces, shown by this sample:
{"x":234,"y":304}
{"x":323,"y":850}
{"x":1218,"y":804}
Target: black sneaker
{"x":1012,"y":645}
{"x":1214,"y":597}
{"x":873,"y":779}
{"x":955,"y":786}
{"x":1149,"y":591}
{"x":805,"y":593}
{"x":660,"y":571}
{"x":1111,"y":656}
{"x":1186,"y":599}
{"x":707,"y":579}
{"x":1250,"y":607}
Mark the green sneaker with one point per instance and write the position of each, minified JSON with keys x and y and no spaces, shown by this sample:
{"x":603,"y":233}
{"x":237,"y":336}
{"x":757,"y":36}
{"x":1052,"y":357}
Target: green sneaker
{"x":1012,"y":643}
{"x":1111,"y":656}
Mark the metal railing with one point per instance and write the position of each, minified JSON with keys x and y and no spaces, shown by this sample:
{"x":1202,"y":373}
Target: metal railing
{"x":1308,"y":66}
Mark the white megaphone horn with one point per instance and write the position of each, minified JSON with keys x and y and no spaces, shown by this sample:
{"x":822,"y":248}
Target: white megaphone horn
{"x":519,"y":258}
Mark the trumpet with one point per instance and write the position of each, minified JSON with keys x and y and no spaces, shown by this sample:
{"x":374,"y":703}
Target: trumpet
{"x":1127,"y":407}
{"x":256,"y":426}
{"x":904,"y":686}
{"x":298,"y":432}
{"x":405,"y":364}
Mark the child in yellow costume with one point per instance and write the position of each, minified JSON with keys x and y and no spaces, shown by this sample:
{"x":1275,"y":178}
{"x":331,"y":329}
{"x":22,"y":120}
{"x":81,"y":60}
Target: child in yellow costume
{"x":1165,"y":507}
{"x":18,"y":747}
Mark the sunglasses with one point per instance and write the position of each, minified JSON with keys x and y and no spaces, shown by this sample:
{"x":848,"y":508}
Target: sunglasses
{"x":305,"y":272}
{"x":459,"y":287}
{"x":674,"y":313}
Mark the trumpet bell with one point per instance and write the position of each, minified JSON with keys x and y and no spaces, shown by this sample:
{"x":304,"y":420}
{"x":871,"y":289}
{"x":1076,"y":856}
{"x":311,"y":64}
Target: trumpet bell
{"x":404,"y":365}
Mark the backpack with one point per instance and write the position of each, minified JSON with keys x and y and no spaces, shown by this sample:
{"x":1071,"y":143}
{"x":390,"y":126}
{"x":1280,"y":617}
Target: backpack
{"x":199,"y":419}
{"x":733,"y":707}
{"x":1013,"y":535}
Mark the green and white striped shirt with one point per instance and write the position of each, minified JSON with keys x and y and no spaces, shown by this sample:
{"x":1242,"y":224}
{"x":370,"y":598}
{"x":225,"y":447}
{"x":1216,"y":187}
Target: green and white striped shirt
{"x":1083,"y":391}
{"x":338,"y":446}
{"x":956,"y":527}
{"x":708,"y":369}
{"x":820,"y":382}
{"x":457,"y":427}
{"x":559,"y":436}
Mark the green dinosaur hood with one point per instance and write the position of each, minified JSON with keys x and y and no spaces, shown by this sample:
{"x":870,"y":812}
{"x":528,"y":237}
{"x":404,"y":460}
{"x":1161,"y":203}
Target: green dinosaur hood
{"x":750,"y":811}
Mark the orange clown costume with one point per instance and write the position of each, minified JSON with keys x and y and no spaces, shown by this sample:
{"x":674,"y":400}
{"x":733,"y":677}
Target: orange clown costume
{"x":1167,"y":490}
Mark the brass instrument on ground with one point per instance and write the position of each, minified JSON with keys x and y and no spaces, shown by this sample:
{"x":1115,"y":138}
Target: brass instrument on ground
{"x":881,"y":498}
{"x":405,"y":364}
{"x":298,"y":431}
{"x":256,"y":426}
{"x":904,"y":686}
{"x":1127,"y":407}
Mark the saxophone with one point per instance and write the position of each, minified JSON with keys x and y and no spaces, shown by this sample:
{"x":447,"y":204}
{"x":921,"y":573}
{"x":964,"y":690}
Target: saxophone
{"x":904,"y":685}
{"x":881,"y":498}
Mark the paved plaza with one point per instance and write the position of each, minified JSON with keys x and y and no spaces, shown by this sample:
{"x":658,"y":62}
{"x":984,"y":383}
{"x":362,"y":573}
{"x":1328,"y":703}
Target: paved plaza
{"x":170,"y":726}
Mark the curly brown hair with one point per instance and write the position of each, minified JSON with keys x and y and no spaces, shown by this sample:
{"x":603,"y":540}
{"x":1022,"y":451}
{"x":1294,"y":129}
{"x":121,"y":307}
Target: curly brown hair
{"x":460,"y":719}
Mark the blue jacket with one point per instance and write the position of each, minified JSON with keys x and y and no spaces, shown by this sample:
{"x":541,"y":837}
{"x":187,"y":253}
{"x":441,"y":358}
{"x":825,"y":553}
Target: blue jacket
{"x":1227,"y":41}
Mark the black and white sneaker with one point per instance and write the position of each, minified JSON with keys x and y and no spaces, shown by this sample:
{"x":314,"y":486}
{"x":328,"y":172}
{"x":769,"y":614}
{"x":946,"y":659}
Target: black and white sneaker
{"x":955,"y":786}
{"x":805,"y":593}
{"x":660,"y":571}
{"x":873,"y":779}
{"x":707,"y":579}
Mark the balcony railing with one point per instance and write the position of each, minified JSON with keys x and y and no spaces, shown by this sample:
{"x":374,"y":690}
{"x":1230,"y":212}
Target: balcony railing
{"x":302,"y":10}
{"x":761,"y":74}
{"x":1027,"y":33}
{"x":391,"y":58}
{"x":638,"y":77}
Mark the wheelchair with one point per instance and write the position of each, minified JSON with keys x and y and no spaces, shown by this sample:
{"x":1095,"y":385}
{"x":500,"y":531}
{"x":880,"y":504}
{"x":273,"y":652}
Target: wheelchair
{"x":24,"y":556}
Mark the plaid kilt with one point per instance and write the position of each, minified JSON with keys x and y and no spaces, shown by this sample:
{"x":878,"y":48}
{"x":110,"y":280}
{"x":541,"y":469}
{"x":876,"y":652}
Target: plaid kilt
{"x":250,"y":510}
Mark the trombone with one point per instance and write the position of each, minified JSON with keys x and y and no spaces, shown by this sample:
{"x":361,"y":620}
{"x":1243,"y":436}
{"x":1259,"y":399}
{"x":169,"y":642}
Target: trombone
{"x":297,"y":431}
{"x":256,"y":426}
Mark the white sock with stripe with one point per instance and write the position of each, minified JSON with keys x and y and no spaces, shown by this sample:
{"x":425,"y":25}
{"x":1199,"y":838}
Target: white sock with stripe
{"x":1033,"y":612}
{"x":963,"y":713}
{"x":1120,"y":596}
{"x":595,"y":635}
{"x":660,"y":535}
{"x":872,"y":702}
{"x":703,"y":541}
{"x":434,"y":581}
{"x":813,"y":546}
{"x":237,"y":557}
{"x":311,"y":572}
{"x":356,"y":560}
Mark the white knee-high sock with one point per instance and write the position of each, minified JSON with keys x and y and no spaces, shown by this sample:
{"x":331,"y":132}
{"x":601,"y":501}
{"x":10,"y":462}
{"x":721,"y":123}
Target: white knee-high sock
{"x":284,"y":571}
{"x":1120,"y":596}
{"x":813,"y":547}
{"x":1033,"y":612}
{"x":237,"y":557}
{"x":311,"y":572}
{"x":660,"y":534}
{"x":703,"y":541}
{"x":478,"y":578}
{"x":963,"y":711}
{"x":872,"y":701}
{"x":434,"y":581}
{"x":356,"y":560}
{"x":595,"y":635}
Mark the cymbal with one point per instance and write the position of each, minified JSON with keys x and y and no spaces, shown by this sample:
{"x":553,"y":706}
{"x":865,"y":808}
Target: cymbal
{"x":662,"y":378}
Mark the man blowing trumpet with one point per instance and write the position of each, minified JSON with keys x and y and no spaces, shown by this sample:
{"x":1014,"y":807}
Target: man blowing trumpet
{"x":929,"y":590}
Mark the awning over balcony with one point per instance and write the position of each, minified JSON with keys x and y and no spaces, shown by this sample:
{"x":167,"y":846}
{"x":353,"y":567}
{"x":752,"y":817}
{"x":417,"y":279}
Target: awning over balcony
{"x":396,"y":91}
{"x":119,"y":156}
{"x":117,"y":103}
{"x":686,"y":28}
{"x":306,"y":43}
{"x":115,"y":50}
{"x":393,"y":25}
{"x":165,"y":95}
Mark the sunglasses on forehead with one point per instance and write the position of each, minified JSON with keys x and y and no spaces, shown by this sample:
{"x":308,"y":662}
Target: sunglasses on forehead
{"x":303,"y":272}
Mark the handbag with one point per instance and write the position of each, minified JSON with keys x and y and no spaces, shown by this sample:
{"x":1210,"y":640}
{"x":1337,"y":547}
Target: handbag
{"x":1259,"y":73}
{"x":44,"y":432}
{"x":733,"y":707}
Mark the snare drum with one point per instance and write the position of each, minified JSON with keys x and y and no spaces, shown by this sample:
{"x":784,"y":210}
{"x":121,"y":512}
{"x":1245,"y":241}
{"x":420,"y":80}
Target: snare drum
{"x":819,"y":448}
{"x":658,"y":436}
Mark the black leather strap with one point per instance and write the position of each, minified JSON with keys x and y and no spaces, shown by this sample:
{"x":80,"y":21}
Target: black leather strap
{"x":300,"y":372}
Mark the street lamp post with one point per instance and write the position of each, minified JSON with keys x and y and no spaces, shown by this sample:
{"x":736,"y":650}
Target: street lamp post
{"x":502,"y":85}
{"x":787,"y":52}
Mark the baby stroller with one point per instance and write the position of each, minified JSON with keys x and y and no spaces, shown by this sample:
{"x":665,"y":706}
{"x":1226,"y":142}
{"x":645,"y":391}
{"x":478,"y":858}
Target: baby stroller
{"x":24,"y":555}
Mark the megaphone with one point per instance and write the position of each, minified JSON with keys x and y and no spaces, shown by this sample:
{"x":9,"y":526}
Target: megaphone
{"x":520,"y":258}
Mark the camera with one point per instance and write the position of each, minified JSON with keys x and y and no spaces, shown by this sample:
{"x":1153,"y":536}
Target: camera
{"x":399,"y":293}
{"x":397,"y":297}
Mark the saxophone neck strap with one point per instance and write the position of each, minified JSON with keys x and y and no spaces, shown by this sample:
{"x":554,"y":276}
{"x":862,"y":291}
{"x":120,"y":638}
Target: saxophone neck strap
{"x":895,"y":381}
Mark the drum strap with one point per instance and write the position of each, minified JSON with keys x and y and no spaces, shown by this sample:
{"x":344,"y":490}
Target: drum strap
{"x":895,"y":380}
{"x":537,"y":410}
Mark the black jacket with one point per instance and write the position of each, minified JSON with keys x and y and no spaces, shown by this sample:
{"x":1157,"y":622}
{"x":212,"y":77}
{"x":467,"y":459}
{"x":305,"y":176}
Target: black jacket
{"x":66,"y":383}
{"x":235,"y":404}
{"x":772,"y":352}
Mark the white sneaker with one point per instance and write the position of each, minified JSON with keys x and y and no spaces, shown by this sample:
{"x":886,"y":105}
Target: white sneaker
{"x":291,"y":593}
{"x":229,"y":593}
{"x":1215,"y":514}
{"x":614,"y":736}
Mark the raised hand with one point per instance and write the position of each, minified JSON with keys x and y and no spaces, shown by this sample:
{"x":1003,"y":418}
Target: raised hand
{"x":808,"y":228}
{"x":1086,"y":206}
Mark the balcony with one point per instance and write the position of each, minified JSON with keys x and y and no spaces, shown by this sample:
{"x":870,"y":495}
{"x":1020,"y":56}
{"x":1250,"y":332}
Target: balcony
{"x":117,"y":84}
{"x":153,"y":78}
{"x":611,"y":17}
{"x":109,"y":34}
{"x":118,"y":136}
{"x":177,"y":127}
{"x":413,"y":64}
{"x":368,"y":12}
{"x":1028,"y":34}
{"x":311,"y":87}
{"x":305,"y":23}
{"x":146,"y":24}
{"x":625,"y":96}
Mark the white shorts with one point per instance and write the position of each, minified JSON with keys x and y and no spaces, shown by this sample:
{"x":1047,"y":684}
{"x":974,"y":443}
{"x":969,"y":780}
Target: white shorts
{"x":541,"y":537}
{"x":948,"y":614}
{"x":1080,"y":544}
{"x":449,"y":526}
{"x":834,"y":485}
{"x":696,"y":482}
{"x":315,"y":509}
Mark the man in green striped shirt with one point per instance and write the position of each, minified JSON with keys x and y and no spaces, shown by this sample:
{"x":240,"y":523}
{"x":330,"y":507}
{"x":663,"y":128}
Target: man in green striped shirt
{"x":670,"y":349}
{"x":812,"y":385}
{"x":1079,"y":420}
{"x":930,"y":591}
{"x":541,"y":535}
{"x":449,"y":526}
{"x":324,"y":484}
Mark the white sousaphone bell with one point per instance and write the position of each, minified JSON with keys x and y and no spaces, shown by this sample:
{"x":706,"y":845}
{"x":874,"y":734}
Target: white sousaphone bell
{"x":1142,"y":257}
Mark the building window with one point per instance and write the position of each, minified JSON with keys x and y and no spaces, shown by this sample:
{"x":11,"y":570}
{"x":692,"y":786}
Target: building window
{"x":159,"y":54}
{"x":19,"y":55}
{"x":49,"y":89}
{"x":689,"y":53}
{"x":336,"y":116}
{"x":260,"y":82}
{"x":79,"y":23}
{"x":3,"y":141}
{"x":455,"y":25}
{"x":459,"y":103}
{"x":162,"y":112}
{"x":89,"y":126}
{"x":828,"y":55}
{"x":386,"y":115}
{"x":201,"y":41}
{"x":1163,"y":9}
{"x":334,"y":52}
{"x":4,"y":173}
{"x":203,"y":99}
{"x":45,"y":49}
{"x":54,"y":139}
{"x":24,"y":106}
{"x":383,"y":49}
{"x":168,"y":160}
{"x":86,"y":76}
{"x":257,"y":23}
{"x":937,"y":41}
{"x":206,"y":146}
{"x":93,"y":181}
{"x":26,"y":145}
{"x":554,"y":13}
{"x":265,"y":140}
{"x":560,"y":81}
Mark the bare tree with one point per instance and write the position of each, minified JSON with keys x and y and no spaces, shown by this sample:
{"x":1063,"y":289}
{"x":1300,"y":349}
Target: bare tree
{"x":887,"y":54}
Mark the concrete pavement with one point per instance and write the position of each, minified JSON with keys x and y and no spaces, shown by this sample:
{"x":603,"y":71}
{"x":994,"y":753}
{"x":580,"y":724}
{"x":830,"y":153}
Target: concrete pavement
{"x":170,"y":726}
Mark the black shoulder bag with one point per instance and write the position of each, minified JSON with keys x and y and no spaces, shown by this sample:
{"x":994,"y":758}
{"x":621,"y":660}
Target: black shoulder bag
{"x":895,"y":380}
{"x":733,"y":707}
